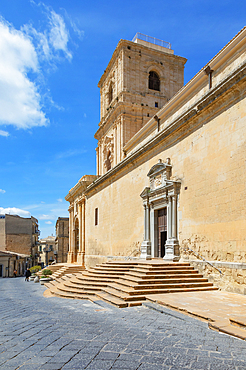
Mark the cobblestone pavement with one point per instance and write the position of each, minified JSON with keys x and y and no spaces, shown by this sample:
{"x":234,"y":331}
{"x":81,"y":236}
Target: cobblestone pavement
{"x":54,"y":333}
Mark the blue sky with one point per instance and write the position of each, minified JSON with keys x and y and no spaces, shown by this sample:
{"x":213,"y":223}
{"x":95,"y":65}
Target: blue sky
{"x":52,"y":55}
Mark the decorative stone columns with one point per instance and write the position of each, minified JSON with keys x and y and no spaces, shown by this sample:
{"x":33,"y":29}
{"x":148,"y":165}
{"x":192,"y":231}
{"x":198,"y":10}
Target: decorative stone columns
{"x":172,"y":244}
{"x":146,"y":244}
{"x":81,"y":217}
{"x":98,"y":161}
{"x":71,"y":252}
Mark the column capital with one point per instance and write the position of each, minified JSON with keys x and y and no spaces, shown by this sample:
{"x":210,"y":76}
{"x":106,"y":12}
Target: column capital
{"x":71,"y":208}
{"x":81,"y":200}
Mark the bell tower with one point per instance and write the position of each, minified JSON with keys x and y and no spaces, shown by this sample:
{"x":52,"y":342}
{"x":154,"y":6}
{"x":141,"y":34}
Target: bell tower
{"x":142,"y":75}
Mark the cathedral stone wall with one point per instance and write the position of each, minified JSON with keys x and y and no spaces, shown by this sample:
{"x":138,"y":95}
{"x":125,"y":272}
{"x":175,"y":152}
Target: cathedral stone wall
{"x":210,"y":163}
{"x":201,"y":135}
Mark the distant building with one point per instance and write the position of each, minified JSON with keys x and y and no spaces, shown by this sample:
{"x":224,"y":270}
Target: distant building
{"x":47,"y":250}
{"x":19,"y":235}
{"x":62,"y":238}
{"x":10,"y":261}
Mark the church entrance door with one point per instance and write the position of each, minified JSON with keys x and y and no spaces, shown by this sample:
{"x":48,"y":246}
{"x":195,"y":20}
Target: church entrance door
{"x":162,"y":231}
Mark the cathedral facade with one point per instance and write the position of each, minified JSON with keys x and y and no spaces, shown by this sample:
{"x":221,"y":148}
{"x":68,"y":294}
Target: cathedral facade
{"x":171,"y":163}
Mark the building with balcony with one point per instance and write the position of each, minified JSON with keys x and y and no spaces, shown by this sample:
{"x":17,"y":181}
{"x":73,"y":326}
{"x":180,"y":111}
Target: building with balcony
{"x":47,"y":251}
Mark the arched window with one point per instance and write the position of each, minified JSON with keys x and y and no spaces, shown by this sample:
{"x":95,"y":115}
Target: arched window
{"x":154,"y":81}
{"x":110,"y":93}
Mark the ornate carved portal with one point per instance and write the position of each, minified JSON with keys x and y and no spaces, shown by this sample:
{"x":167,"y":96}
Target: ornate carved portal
{"x":161,"y":199}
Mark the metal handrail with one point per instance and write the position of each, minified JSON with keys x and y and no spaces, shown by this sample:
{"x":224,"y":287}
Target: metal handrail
{"x":198,"y":255}
{"x":129,"y":256}
{"x":152,"y":40}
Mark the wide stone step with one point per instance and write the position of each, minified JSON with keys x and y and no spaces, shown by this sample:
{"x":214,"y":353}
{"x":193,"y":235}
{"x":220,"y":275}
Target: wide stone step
{"x":91,"y":280}
{"x":120,"y":263}
{"x":126,"y":297}
{"x":163,"y":267}
{"x":112,"y":268}
{"x":163,"y":272}
{"x":160,"y":279}
{"x":111,"y":299}
{"x":155,"y":290}
{"x":64,"y":294}
{"x":160,"y":283}
{"x":75,"y":290}
{"x":102,"y":272}
{"x":70,"y":285}
{"x":77,"y":281}
{"x":102,"y":276}
{"x":161,"y":275}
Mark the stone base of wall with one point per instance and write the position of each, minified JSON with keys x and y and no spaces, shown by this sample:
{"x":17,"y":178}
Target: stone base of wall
{"x":232,"y":277}
{"x":92,"y":260}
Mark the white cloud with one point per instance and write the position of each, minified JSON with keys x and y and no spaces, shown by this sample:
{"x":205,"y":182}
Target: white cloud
{"x":2,"y":191}
{"x":54,"y":38}
{"x":48,"y":222}
{"x":58,"y":34}
{"x":14,"y":211}
{"x":20,"y":101}
{"x":80,"y":33}
{"x":60,"y":200}
{"x":46,"y":217}
{"x":4,"y":133}
{"x":24,"y":56}
{"x":70,"y":153}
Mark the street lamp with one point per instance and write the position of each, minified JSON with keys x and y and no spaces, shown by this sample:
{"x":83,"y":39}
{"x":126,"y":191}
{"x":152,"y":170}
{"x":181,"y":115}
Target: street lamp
{"x":47,"y":250}
{"x":55,"y":254}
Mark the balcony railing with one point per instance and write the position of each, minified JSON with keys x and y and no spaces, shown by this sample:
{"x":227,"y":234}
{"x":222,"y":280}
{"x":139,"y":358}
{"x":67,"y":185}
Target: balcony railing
{"x":152,"y":40}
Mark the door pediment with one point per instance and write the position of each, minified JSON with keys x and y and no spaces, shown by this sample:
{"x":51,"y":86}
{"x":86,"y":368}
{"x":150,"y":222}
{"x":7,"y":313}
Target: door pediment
{"x":159,"y":174}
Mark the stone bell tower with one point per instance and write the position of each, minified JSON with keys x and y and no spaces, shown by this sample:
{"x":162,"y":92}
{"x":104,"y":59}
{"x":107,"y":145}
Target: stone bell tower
{"x":142,"y":75}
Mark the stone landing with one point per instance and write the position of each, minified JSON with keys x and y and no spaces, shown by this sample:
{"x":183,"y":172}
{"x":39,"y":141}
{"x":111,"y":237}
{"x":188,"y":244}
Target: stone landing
{"x":224,"y":311}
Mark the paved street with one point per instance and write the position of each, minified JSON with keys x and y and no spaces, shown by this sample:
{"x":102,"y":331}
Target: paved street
{"x":54,"y":333}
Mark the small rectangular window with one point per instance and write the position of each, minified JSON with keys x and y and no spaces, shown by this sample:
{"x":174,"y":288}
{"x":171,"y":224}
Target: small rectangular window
{"x":96,"y":216}
{"x":156,"y":104}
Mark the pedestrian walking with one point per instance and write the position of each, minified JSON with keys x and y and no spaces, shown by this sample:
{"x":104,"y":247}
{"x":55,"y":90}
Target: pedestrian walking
{"x":15,"y":273}
{"x":27,"y":275}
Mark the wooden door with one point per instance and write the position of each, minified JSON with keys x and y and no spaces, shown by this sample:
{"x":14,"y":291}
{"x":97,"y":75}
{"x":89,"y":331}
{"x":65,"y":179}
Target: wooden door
{"x":162,"y":231}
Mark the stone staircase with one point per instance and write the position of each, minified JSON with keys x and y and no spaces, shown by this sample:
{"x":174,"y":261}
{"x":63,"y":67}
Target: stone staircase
{"x":53,"y":268}
{"x":127,"y":283}
{"x":67,"y":269}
